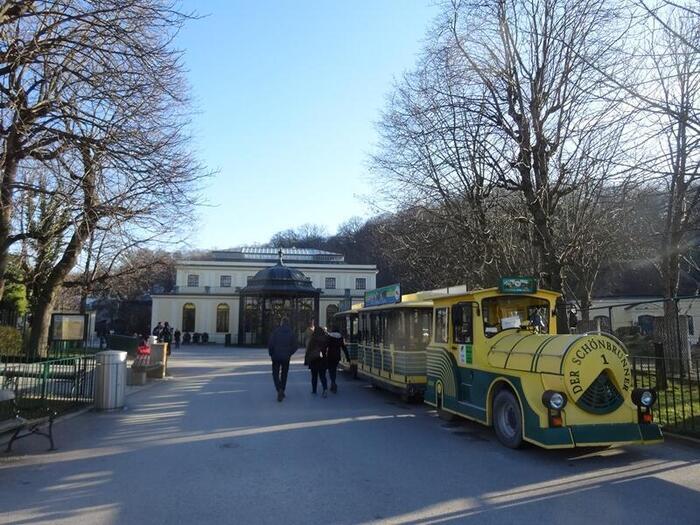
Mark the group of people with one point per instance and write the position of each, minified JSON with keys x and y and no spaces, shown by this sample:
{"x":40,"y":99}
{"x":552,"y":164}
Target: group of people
{"x":323,"y":351}
{"x":165,"y":334}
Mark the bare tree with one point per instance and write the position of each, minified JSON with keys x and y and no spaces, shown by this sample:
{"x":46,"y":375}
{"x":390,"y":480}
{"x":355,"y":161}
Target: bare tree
{"x":663,"y":89}
{"x":93,"y":97}
{"x":533,"y":60}
{"x":435,"y":159}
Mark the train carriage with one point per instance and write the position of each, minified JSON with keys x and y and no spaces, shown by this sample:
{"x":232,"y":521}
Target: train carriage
{"x":495,"y":357}
{"x":391,"y":346}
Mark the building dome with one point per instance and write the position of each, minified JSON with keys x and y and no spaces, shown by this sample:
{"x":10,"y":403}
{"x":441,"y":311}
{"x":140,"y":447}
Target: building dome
{"x":280,"y":279}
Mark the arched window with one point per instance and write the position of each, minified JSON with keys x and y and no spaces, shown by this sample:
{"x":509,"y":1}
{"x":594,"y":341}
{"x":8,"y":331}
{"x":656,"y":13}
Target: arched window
{"x":331,"y":310}
{"x":222,"y":316}
{"x":188,"y":313}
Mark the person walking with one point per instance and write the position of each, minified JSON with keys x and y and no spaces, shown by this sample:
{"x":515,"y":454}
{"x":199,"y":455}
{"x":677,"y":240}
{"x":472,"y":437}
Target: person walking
{"x":315,"y":359}
{"x":158,"y":330}
{"x":281,"y":347}
{"x":308,"y":333}
{"x":176,"y":336}
{"x":336,"y":344}
{"x":167,"y":335}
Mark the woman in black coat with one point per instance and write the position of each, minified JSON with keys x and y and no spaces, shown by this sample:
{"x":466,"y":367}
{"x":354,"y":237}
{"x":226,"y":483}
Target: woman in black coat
{"x":315,"y":359}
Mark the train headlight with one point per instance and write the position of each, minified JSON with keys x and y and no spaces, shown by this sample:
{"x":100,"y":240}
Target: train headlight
{"x":554,"y":400}
{"x":643,"y":397}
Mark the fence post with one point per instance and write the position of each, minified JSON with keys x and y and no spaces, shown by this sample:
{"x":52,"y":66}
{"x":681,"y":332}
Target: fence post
{"x":45,"y":377}
{"x":660,"y":366}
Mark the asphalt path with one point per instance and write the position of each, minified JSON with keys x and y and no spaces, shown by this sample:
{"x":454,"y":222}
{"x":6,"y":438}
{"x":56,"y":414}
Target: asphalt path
{"x":211,"y":444}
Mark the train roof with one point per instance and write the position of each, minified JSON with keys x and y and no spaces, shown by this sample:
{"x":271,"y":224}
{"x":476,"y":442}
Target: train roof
{"x":424,"y":299}
{"x":402,"y":304}
{"x":493,"y":292}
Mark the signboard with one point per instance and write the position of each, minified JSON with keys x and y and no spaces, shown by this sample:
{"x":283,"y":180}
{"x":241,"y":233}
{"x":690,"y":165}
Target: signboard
{"x":68,"y":327}
{"x":465,"y":354}
{"x":386,"y":295}
{"x":517,"y":285}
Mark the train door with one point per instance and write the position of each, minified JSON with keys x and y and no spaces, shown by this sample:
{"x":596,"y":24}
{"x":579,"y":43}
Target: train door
{"x":462,"y":345}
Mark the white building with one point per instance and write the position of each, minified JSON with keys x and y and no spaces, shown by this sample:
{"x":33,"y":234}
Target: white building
{"x":211,"y":293}
{"x":640,"y":311}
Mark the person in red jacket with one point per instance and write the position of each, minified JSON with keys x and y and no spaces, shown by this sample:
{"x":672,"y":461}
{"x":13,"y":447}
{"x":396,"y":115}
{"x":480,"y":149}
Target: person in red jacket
{"x":143,"y":352}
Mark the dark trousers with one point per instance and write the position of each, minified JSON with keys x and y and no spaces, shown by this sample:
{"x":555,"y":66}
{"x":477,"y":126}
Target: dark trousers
{"x":318,"y":371}
{"x":332,"y":372}
{"x":280,"y":369}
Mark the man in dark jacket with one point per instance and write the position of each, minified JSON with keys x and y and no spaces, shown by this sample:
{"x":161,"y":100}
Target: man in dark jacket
{"x":281,"y":346}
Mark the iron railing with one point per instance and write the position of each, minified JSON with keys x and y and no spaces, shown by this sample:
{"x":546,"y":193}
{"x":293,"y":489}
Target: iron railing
{"x":677,"y":384}
{"x":61,"y":384}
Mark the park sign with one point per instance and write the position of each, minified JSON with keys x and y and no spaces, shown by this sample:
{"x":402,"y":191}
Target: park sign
{"x":517,"y":285}
{"x":386,"y":295}
{"x":68,"y":327}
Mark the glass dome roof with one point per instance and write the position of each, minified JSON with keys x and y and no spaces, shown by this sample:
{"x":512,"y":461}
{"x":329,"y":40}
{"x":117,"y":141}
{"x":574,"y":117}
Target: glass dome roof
{"x":280,"y":279}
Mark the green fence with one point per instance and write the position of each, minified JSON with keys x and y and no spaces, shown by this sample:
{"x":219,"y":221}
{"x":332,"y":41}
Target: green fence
{"x":62,"y":384}
{"x":677,"y":384}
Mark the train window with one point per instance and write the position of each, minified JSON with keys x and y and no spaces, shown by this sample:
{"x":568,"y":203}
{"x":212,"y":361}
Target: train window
{"x":441,"y":327}
{"x":462,"y":331}
{"x":392,"y":332}
{"x":514,"y":311}
{"x":418,"y":321}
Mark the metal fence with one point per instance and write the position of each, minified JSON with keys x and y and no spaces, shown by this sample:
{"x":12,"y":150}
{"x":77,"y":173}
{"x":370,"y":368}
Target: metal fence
{"x":61,"y":384}
{"x":677,"y":383}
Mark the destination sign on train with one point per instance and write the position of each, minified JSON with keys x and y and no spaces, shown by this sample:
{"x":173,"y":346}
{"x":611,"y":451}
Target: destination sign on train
{"x":517,"y":285}
{"x":386,"y":295}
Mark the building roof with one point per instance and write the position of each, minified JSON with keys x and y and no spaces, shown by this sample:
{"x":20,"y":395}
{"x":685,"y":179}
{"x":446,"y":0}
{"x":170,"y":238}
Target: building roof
{"x":280,"y":279}
{"x":271,"y":254}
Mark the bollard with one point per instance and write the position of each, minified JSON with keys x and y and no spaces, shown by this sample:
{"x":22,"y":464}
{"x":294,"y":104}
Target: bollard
{"x":159,"y":354}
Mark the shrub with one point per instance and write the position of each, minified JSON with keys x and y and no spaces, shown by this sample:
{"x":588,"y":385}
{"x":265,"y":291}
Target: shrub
{"x":10,"y":341}
{"x":628,"y":331}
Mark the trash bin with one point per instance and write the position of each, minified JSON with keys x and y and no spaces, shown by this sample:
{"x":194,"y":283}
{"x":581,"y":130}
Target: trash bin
{"x":110,"y":379}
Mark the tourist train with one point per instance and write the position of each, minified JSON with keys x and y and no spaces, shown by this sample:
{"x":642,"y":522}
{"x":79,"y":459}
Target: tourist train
{"x":494,"y":356}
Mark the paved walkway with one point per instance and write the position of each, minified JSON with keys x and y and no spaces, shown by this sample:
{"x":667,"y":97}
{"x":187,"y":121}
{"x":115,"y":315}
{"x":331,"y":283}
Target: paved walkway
{"x":212,"y":445}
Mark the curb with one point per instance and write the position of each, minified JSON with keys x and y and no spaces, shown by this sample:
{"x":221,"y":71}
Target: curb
{"x":680,"y":437}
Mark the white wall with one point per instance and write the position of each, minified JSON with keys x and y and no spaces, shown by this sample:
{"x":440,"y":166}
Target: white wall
{"x":169,"y":308}
{"x":210,"y":275}
{"x":628,"y":316}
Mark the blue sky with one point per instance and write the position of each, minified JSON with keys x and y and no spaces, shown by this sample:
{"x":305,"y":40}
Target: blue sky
{"x":287,"y":94}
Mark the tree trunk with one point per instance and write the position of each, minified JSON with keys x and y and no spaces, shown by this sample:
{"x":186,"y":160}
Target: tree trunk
{"x":9,"y":174}
{"x":41,"y":312}
{"x":41,"y":324}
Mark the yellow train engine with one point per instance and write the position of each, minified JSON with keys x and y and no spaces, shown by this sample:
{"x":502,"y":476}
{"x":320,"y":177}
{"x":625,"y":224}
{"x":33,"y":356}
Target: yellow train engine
{"x":495,"y":357}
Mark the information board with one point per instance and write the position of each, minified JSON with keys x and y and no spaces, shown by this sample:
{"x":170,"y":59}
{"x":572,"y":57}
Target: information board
{"x":68,"y":327}
{"x":386,"y":295}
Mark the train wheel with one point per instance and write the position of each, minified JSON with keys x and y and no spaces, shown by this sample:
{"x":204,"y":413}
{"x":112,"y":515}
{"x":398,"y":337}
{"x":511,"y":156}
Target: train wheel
{"x":507,"y":421}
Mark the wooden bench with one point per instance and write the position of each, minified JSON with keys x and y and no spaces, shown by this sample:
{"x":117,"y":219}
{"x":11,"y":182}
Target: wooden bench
{"x":24,"y":418}
{"x":143,"y":363}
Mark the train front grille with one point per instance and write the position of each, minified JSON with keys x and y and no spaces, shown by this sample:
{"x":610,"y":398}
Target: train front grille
{"x":602,"y":396}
